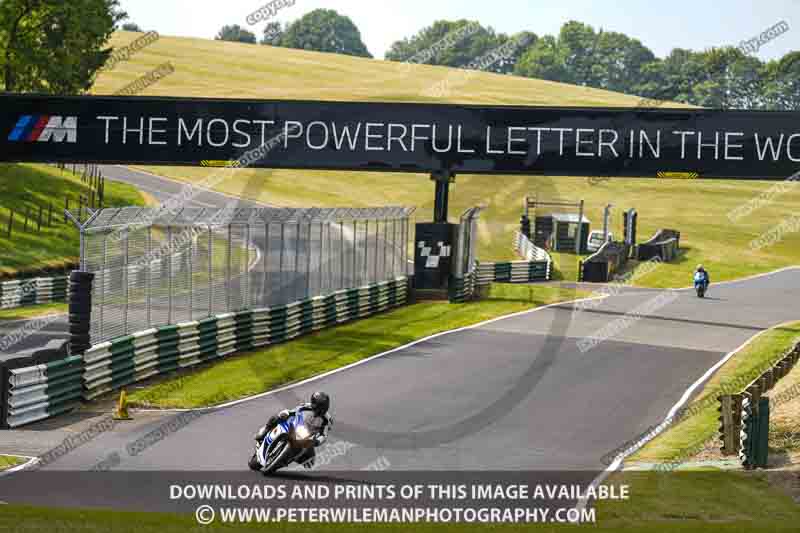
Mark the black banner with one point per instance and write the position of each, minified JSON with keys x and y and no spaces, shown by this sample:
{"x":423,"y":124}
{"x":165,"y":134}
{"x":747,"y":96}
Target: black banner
{"x":399,"y":137}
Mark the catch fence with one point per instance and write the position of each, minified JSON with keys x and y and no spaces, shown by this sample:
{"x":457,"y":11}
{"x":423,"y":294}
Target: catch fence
{"x":156,"y":266}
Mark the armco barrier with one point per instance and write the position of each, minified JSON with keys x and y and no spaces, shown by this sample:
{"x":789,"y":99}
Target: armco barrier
{"x":114,"y":364}
{"x":664,"y":244}
{"x":732,"y":406}
{"x":41,"y":391}
{"x":32,"y":291}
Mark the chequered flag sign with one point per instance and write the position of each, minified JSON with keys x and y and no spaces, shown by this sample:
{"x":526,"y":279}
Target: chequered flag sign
{"x":433,"y":253}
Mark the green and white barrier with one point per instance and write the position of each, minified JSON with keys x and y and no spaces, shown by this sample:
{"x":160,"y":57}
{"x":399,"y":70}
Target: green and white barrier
{"x":33,"y":291}
{"x":536,"y":267}
{"x":41,"y":391}
{"x":126,"y":360}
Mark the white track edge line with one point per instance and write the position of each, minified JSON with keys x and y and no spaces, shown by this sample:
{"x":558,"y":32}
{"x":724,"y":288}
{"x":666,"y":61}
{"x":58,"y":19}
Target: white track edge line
{"x":368,"y":359}
{"x":671,"y":413}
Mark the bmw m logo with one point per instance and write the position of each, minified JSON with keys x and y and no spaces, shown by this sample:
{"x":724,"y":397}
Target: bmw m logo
{"x":45,"y":128}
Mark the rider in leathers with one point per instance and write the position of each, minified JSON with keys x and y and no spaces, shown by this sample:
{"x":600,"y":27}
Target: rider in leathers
{"x":320,"y":424}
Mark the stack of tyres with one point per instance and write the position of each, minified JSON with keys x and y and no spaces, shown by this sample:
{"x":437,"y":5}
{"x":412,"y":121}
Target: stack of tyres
{"x":80,"y":310}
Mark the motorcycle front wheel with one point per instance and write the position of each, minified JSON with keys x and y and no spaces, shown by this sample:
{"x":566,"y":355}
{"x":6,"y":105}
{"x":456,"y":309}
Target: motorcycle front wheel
{"x":253,"y":463}
{"x":278,"y":458}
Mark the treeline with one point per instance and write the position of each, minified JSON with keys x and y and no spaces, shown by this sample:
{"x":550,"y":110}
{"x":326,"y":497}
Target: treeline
{"x":726,"y":77}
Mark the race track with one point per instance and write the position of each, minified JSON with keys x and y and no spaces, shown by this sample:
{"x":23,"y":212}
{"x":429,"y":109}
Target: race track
{"x":516,"y":393}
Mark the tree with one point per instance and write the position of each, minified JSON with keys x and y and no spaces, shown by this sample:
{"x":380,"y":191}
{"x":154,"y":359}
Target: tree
{"x":131,"y":26}
{"x":235,"y":33}
{"x":273,"y":34}
{"x":782,"y":83}
{"x":457,"y":43}
{"x":52,"y":46}
{"x":325,"y":30}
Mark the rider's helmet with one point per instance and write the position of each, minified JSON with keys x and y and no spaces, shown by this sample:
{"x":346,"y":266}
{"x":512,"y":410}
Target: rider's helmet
{"x":700,"y":267}
{"x":320,"y":402}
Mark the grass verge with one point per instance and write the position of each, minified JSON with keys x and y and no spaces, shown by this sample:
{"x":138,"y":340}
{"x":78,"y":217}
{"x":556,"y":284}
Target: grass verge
{"x":699,"y":501}
{"x":326,"y":350}
{"x":682,"y":440}
{"x":33,"y":311}
{"x":30,"y":186}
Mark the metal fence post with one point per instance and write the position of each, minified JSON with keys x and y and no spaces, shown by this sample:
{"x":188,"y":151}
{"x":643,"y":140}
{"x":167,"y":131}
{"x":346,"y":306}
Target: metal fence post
{"x":125,"y":273}
{"x":247,"y":267}
{"x":103,"y":281}
{"x":321,"y":255}
{"x":366,"y":251}
{"x":296,"y":280}
{"x":341,"y":252}
{"x":228,"y":270}
{"x":210,"y":271}
{"x":169,"y":272}
{"x":385,"y":248}
{"x":280,"y":264}
{"x":149,"y":290}
{"x":356,"y":280}
{"x":266,"y":265}
{"x":377,"y":246}
{"x":191,"y":273}
{"x":308,"y":260}
{"x":395,"y":251}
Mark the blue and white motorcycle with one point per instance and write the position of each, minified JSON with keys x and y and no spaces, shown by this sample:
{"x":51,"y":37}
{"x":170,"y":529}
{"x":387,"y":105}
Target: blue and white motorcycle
{"x":290,"y":439}
{"x":700,"y":284}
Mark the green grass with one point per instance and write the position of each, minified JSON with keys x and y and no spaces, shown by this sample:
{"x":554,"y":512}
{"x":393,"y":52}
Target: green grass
{"x":703,"y":425}
{"x":326,"y":350}
{"x":32,"y":311}
{"x":695,"y":207}
{"x":23,"y":186}
{"x":7,"y":461}
{"x":697,"y":502}
{"x":668,"y":501}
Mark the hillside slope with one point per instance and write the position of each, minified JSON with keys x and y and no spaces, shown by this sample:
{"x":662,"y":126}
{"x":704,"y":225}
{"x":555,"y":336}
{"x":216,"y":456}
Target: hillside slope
{"x":222,"y":69}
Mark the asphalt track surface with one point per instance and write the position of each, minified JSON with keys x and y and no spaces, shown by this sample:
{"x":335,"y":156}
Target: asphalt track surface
{"x":516,"y":393}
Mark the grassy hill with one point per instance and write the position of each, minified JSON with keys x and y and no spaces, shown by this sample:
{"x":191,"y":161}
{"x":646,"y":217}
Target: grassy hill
{"x":697,"y":208}
{"x":56,"y":247}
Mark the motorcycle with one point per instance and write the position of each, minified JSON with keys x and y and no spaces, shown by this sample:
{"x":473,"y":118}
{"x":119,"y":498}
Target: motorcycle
{"x":700,"y":285}
{"x":285,"y":443}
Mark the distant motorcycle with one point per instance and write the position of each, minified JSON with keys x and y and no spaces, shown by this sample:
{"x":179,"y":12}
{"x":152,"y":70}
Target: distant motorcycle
{"x":700,"y":284}
{"x":285,"y":443}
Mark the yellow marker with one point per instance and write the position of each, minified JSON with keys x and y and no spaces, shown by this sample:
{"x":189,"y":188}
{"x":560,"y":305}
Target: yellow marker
{"x":121,"y":413}
{"x":219,"y":163}
{"x":679,"y":175}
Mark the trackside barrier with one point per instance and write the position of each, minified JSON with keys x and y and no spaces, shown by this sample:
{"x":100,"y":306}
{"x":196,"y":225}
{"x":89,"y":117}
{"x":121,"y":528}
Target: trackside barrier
{"x":33,"y":291}
{"x":604,"y":263}
{"x":743,"y":425}
{"x":36,"y":392}
{"x":126,"y":360}
{"x":42,"y":391}
{"x":664,"y":244}
{"x":537,"y":266}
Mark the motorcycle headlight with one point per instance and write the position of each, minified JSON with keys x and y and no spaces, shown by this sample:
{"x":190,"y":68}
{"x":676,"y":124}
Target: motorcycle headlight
{"x":301,"y":432}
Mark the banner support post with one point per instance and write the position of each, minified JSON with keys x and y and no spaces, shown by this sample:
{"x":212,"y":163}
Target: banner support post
{"x":443,"y":179}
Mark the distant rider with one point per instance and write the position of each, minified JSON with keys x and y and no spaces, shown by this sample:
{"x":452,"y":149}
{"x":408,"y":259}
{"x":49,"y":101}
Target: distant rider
{"x":701,"y":275}
{"x":320,"y":424}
